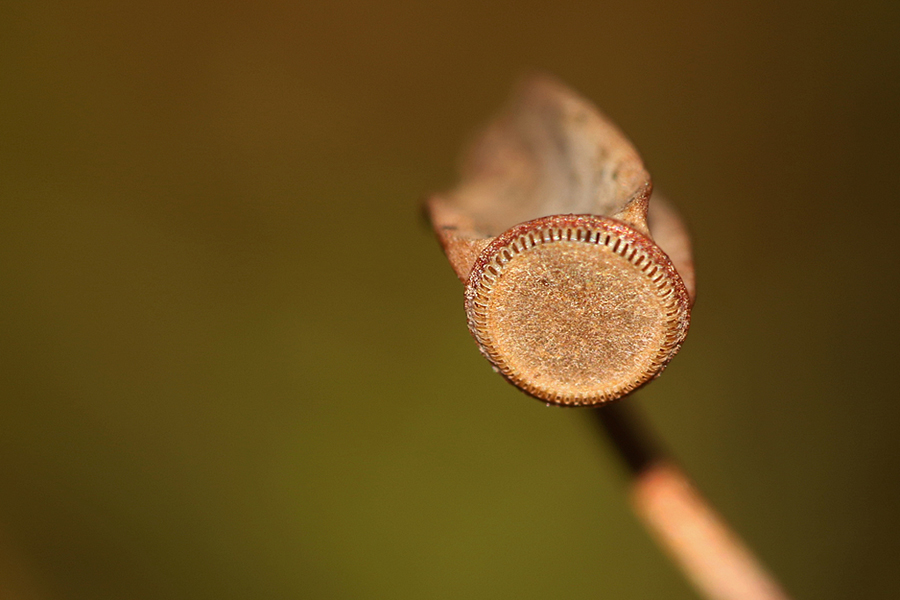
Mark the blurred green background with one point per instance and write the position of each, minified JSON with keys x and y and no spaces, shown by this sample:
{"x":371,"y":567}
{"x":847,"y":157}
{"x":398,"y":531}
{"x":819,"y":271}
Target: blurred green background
{"x":235,"y":362}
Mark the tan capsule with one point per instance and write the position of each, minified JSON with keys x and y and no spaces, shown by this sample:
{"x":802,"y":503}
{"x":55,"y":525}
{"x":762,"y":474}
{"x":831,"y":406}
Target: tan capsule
{"x":567,"y":293}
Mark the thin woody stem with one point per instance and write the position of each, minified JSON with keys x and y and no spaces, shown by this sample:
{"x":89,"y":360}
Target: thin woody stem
{"x":711,"y":555}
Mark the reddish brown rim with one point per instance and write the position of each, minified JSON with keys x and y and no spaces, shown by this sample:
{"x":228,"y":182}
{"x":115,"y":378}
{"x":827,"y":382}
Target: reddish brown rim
{"x":646,"y":256}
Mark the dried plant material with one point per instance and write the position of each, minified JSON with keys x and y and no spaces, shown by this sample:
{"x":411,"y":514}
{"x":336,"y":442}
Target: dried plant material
{"x":576,"y":310}
{"x":567,"y":294}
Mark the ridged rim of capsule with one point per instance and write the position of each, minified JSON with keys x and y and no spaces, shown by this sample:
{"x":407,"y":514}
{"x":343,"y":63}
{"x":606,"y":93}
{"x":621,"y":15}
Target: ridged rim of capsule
{"x":621,"y":239}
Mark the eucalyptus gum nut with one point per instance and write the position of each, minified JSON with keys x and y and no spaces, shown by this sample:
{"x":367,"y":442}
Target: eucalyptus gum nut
{"x":567,"y":293}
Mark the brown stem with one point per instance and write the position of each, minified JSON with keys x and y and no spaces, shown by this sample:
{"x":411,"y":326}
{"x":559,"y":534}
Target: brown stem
{"x":709,"y":553}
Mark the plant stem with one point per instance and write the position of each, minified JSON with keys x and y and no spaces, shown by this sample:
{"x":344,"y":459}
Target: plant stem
{"x":709,"y":553}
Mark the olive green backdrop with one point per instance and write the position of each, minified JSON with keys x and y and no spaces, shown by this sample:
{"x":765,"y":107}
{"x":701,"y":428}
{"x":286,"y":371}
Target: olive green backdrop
{"x":235,"y":362}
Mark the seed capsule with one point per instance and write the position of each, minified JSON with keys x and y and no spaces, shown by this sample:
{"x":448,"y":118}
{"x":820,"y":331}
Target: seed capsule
{"x":567,"y":294}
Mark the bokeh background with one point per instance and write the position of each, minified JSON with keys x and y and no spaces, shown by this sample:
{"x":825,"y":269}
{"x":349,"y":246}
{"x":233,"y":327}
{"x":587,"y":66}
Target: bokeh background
{"x":235,"y":363}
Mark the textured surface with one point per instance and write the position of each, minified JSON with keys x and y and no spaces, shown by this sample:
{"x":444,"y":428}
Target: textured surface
{"x":589,"y":307}
{"x":576,"y":310}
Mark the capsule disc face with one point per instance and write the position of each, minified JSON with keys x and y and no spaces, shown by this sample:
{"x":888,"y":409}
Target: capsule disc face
{"x":576,"y":310}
